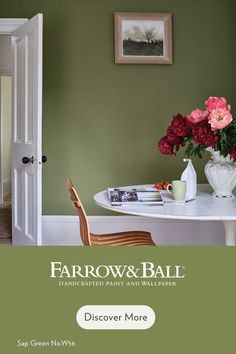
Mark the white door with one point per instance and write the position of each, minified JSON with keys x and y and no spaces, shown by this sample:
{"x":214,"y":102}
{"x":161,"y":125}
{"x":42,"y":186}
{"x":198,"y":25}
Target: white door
{"x":27,"y":121}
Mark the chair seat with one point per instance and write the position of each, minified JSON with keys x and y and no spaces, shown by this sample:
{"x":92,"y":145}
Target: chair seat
{"x":128,"y":238}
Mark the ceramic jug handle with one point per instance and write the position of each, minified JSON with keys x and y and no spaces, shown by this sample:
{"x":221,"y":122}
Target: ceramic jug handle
{"x":167,"y":188}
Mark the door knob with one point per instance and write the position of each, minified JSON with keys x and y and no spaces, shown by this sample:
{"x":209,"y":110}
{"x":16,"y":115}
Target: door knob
{"x":26,"y":160}
{"x":44,"y":158}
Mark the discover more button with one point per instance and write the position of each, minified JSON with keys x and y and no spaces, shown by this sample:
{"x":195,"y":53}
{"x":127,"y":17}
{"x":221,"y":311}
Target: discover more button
{"x":115,"y":317}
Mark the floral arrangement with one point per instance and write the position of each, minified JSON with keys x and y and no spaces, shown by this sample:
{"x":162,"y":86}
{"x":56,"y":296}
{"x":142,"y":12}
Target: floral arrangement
{"x":213,"y":127}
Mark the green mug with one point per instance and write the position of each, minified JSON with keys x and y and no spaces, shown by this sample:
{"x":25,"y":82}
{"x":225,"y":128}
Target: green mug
{"x":178,"y":190}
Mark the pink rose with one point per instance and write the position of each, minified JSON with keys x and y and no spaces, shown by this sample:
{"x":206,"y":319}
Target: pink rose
{"x":219,"y":118}
{"x":197,"y":116}
{"x":216,"y":102}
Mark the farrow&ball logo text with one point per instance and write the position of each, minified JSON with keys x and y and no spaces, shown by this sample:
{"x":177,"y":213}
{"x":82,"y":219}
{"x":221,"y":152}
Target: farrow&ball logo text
{"x":144,"y":270}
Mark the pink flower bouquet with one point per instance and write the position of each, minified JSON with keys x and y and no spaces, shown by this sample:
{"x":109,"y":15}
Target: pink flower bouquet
{"x":212,"y":127}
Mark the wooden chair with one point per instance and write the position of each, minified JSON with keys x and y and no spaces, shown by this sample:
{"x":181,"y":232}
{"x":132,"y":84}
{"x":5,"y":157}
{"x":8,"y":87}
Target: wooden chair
{"x":128,"y":238}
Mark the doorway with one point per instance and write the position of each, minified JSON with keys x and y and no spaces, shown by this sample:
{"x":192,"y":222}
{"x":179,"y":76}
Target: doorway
{"x":5,"y":140}
{"x":5,"y":121}
{"x":26,"y":39}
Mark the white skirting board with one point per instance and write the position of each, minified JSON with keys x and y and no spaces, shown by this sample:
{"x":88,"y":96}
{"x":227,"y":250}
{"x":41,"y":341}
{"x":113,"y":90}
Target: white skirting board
{"x":64,"y":230}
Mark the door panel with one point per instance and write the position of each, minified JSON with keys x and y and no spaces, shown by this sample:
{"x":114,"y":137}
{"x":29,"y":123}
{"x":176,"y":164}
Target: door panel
{"x":27,"y":120}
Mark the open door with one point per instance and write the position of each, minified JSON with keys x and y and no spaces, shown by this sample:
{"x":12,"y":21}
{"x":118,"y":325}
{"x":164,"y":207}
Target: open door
{"x":27,"y":133}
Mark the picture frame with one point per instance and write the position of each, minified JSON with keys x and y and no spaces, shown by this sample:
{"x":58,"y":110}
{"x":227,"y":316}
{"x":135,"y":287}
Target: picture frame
{"x":143,"y":38}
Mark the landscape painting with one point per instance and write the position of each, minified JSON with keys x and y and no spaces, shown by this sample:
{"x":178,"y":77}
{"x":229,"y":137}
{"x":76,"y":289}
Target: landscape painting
{"x":143,"y":38}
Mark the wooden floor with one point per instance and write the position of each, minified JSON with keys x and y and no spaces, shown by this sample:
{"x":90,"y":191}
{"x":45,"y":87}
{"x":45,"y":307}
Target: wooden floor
{"x":5,"y":241}
{"x":5,"y":222}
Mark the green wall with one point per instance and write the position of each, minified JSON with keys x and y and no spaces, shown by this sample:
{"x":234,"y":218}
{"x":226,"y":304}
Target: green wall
{"x":101,"y":121}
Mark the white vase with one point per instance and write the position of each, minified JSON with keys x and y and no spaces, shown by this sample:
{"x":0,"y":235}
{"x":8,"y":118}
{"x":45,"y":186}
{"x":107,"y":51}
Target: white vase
{"x":189,"y":175}
{"x":221,"y":174}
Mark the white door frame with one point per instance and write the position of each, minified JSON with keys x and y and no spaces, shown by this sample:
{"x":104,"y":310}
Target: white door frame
{"x":1,"y":145}
{"x":7,"y":26}
{"x":2,"y":74}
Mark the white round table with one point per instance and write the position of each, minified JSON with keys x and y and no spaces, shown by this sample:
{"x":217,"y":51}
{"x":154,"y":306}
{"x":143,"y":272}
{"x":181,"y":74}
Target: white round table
{"x":204,"y":207}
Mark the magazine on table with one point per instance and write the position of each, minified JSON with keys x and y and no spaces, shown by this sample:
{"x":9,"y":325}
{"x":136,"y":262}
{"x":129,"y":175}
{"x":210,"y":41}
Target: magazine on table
{"x":144,"y":196}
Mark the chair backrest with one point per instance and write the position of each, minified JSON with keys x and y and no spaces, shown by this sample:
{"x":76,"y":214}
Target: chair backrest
{"x":84,"y":226}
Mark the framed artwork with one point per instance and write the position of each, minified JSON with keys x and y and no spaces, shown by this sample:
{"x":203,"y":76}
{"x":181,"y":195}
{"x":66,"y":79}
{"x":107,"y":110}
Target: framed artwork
{"x":143,"y":38}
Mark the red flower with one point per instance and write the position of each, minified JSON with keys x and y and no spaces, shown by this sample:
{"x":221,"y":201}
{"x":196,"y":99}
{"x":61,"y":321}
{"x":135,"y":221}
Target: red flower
{"x":172,"y":137}
{"x":233,"y":153}
{"x":165,"y":147}
{"x":202,"y":134}
{"x":180,"y":125}
{"x":161,"y":185}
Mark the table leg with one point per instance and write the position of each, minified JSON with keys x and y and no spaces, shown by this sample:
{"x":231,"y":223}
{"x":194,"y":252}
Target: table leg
{"x":230,"y":232}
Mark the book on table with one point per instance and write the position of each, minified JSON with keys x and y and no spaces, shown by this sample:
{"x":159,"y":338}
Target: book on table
{"x":144,"y":196}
